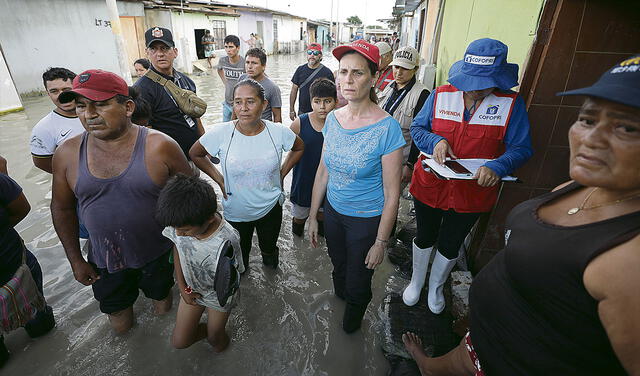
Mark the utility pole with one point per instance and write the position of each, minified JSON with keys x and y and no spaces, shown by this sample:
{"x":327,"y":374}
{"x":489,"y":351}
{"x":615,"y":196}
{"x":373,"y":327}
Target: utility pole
{"x":331,"y":27}
{"x":116,"y":28}
{"x":338,"y":22}
{"x":364,"y":21}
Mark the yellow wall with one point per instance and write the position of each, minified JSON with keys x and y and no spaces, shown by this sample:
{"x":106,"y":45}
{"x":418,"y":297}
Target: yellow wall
{"x":514,"y":22}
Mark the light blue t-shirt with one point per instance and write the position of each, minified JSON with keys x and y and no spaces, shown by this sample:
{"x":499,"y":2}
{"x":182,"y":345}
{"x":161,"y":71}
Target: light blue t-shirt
{"x":354,"y":162}
{"x":250,"y":166}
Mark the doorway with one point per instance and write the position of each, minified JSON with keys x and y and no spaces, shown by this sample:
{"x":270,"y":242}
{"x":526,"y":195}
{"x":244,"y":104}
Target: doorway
{"x":199,"y":33}
{"x":260,"y":29}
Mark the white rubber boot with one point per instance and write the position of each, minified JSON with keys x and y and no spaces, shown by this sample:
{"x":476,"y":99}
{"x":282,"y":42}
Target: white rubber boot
{"x":411,"y":294}
{"x":439,"y":273}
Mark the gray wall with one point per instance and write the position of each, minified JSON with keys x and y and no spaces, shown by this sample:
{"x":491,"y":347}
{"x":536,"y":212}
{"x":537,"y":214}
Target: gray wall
{"x":37,"y":34}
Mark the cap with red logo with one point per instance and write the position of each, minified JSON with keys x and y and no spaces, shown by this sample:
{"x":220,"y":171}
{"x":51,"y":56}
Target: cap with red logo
{"x":314,"y":46}
{"x":158,"y":34}
{"x":97,"y":85}
{"x":368,"y":50}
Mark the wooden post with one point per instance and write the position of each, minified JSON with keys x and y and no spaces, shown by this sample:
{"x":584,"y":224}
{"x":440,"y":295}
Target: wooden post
{"x":116,"y":28}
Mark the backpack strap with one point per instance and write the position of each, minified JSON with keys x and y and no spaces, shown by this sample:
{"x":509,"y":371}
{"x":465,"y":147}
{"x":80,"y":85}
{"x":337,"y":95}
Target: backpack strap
{"x":155,"y":77}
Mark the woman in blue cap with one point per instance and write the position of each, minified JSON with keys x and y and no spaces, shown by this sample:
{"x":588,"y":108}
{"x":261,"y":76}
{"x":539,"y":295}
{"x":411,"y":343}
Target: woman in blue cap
{"x":476,"y":116}
{"x":562,"y":297}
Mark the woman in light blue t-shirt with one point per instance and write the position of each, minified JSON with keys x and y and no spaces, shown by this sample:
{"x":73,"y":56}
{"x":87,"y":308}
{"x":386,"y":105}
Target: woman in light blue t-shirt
{"x":359,"y":172}
{"x":250,"y":152}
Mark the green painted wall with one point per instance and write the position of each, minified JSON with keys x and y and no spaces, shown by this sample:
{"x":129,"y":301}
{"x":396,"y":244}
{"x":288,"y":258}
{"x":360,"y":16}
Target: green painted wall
{"x":514,"y":22}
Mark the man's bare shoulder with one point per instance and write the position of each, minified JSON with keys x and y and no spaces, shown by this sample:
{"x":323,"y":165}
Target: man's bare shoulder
{"x":71,"y":145}
{"x":159,"y":141}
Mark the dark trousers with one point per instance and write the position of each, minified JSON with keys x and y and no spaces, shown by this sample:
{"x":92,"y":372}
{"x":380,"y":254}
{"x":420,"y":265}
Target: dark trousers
{"x":268,"y":229}
{"x":348,"y":241}
{"x":446,"y":227}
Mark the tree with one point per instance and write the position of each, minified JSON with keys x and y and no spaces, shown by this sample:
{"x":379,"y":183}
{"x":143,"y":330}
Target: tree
{"x":355,"y":20}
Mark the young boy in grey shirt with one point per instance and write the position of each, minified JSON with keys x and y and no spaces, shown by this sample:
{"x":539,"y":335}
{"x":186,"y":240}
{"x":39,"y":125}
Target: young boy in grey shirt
{"x":187,"y":206}
{"x":255,"y":65}
{"x":230,"y":68}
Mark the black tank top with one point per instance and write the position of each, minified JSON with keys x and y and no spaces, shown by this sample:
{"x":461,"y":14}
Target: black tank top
{"x":530,"y":313}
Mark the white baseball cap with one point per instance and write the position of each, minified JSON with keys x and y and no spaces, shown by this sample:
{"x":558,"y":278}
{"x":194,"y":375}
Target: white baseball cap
{"x":383,"y":47}
{"x":406,"y":57}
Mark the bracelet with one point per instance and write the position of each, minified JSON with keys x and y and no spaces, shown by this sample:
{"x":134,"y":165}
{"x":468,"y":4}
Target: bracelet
{"x":292,"y":112}
{"x":382,"y":241}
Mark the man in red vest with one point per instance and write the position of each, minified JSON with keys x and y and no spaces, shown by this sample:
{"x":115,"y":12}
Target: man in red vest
{"x":476,"y":116}
{"x":385,"y":70}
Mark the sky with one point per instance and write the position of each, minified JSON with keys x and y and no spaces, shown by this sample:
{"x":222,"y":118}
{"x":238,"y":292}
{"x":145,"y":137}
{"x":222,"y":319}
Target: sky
{"x":368,"y":10}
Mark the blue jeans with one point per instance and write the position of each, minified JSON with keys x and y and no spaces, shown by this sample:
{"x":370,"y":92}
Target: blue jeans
{"x":227,"y":111}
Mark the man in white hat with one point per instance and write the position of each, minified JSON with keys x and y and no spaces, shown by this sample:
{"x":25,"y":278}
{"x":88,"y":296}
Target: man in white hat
{"x":403,"y":99}
{"x":385,"y":73}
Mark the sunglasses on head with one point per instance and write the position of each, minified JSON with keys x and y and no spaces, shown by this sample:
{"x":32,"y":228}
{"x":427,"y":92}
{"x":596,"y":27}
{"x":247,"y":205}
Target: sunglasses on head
{"x":313,"y":52}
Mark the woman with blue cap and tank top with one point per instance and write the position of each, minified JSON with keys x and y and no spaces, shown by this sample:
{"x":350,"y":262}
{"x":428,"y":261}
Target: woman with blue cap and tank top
{"x":562,"y":297}
{"x":475,"y":116}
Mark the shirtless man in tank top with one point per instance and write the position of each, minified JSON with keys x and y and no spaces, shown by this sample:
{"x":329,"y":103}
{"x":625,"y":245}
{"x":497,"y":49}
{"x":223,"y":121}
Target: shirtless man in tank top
{"x":113,"y":175}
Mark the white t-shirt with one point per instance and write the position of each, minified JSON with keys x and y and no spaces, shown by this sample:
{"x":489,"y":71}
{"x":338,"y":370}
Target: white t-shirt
{"x":199,"y":260}
{"x":251,"y":167}
{"x":51,"y":131}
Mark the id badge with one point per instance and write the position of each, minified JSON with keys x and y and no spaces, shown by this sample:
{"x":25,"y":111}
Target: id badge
{"x":189,"y":121}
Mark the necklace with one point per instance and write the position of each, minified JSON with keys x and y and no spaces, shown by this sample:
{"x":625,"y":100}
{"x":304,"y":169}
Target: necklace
{"x":261,"y":126}
{"x":582,"y":206}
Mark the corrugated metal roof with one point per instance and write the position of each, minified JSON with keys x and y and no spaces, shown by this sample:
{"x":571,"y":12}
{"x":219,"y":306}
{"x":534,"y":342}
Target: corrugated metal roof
{"x":405,"y":6}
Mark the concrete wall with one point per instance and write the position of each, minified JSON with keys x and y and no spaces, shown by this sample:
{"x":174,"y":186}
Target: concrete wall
{"x":183,"y":28}
{"x":514,"y":22}
{"x":157,"y":17}
{"x":289,"y":33}
{"x":247,"y":24}
{"x":9,"y":98}
{"x":127,"y":9}
{"x":321,"y":30}
{"x":38,"y":34}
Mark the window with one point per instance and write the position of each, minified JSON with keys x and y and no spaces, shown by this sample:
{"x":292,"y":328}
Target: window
{"x":219,"y":31}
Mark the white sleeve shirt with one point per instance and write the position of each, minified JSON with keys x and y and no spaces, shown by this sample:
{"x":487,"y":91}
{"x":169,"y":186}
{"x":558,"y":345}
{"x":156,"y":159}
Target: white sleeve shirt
{"x":51,"y":131}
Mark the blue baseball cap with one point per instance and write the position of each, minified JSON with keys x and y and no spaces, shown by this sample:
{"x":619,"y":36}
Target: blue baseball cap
{"x":484,"y":66}
{"x":619,"y":84}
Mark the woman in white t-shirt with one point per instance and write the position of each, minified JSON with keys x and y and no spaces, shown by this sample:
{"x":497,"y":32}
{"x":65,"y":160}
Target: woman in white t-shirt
{"x":250,"y":151}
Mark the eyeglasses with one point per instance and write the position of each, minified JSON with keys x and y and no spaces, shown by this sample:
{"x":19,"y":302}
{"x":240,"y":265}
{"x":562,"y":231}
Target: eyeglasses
{"x":314,"y":52}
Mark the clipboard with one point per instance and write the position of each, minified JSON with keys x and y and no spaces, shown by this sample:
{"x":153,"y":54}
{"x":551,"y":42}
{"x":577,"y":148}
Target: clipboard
{"x":447,"y":172}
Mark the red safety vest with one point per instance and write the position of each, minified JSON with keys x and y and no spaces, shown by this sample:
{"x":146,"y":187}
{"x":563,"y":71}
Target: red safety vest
{"x":480,"y":137}
{"x":385,"y":78}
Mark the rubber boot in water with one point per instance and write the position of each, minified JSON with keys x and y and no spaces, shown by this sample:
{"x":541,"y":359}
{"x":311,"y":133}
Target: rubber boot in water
{"x":439,"y":273}
{"x":297,"y":228}
{"x":352,"y":319}
{"x":4,"y":353}
{"x":41,"y":324}
{"x":421,"y":256}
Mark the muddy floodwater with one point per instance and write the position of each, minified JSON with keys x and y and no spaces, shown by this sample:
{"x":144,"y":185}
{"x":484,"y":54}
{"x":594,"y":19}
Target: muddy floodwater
{"x":287,"y":322}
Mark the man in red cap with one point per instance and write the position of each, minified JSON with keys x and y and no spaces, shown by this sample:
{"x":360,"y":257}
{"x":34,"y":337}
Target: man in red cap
{"x":111,"y":176}
{"x":304,"y":77}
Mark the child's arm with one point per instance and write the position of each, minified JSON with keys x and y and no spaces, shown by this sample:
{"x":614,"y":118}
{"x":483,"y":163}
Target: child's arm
{"x":182,"y":284}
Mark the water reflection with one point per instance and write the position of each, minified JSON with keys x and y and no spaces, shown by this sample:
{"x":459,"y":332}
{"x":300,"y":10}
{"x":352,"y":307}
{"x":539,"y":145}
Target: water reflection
{"x":287,"y":321}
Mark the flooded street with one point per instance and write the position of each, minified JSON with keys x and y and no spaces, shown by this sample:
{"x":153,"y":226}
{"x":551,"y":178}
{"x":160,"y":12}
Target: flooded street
{"x":287,"y":322}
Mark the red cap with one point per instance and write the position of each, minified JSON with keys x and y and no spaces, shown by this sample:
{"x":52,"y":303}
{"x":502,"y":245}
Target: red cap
{"x":368,"y":50}
{"x":97,"y":85}
{"x":314,"y":46}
